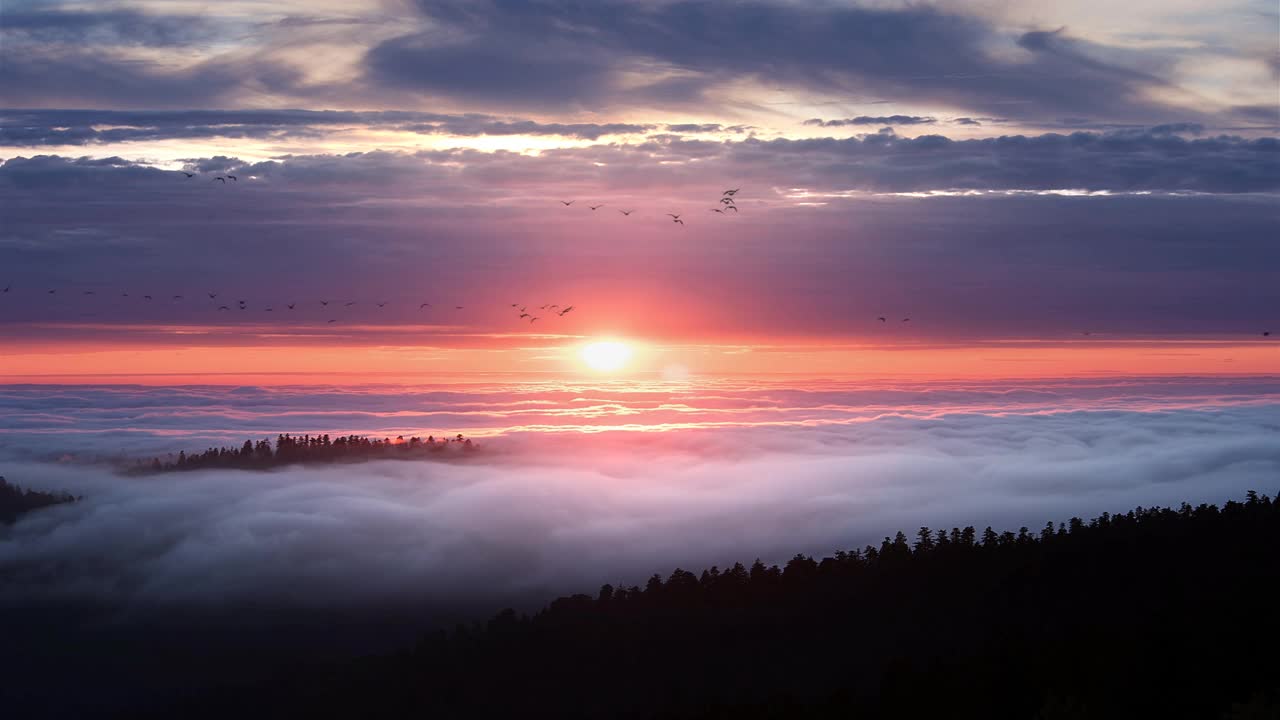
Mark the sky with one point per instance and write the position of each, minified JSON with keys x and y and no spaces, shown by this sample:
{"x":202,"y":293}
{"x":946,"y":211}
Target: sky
{"x":1042,"y":190}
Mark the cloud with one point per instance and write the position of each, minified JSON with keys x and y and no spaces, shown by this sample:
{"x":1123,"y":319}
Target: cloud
{"x":31,"y":128}
{"x":873,"y":120}
{"x":544,"y":521}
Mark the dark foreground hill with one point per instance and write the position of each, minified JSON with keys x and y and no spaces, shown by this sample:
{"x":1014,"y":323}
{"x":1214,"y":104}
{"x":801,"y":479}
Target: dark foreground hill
{"x":1157,"y":613}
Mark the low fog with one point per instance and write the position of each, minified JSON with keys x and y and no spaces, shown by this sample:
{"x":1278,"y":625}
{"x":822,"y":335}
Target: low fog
{"x":559,"y":513}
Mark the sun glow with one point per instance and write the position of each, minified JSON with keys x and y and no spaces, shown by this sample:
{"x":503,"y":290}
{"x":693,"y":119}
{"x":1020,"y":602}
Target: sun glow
{"x":607,"y":356}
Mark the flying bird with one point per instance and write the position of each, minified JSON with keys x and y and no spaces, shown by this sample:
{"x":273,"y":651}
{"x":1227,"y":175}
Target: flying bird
{"x":177,"y":297}
{"x":381,"y":304}
{"x":424,"y":305}
{"x":675,"y":218}
{"x":906,"y":319}
{"x":353,"y":302}
{"x":8,"y":287}
{"x":525,"y":315}
{"x":533,"y":320}
{"x":189,"y":175}
{"x":596,"y":207}
{"x":88,"y":292}
{"x":146,"y":297}
{"x":883,"y":319}
{"x":565,"y":311}
{"x":223,"y":307}
{"x":233,"y":178}
{"x":731,"y":207}
{"x":268,"y":310}
{"x":290,"y":305}
{"x":324,"y":302}
{"x":567,"y":203}
{"x":731,"y":193}
{"x":51,"y":292}
{"x":124,"y":294}
{"x":212,"y":295}
{"x":333,"y":321}
{"x":726,"y":200}
{"x":1266,"y":333}
{"x":626,"y":212}
{"x":221,"y":179}
{"x":717,"y":210}
{"x":457,"y":307}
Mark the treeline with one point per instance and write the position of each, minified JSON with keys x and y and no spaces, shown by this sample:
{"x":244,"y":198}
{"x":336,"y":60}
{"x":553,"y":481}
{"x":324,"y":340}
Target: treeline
{"x":15,"y":501}
{"x":1154,"y":613}
{"x":291,"y":449}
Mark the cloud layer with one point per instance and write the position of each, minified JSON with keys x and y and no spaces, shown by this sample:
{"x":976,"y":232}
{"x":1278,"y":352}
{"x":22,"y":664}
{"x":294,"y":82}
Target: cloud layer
{"x":564,"y":512}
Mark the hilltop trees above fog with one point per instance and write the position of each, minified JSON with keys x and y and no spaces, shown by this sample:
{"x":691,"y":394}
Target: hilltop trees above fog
{"x":15,"y":501}
{"x":291,"y":449}
{"x":1157,"y":612}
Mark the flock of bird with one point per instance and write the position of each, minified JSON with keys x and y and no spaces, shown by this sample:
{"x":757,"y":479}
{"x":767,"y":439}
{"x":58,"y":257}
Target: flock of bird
{"x":243,"y":305}
{"x":726,"y":203}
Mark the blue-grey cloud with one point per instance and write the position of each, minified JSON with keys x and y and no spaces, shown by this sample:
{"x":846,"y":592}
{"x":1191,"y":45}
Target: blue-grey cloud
{"x":873,"y":120}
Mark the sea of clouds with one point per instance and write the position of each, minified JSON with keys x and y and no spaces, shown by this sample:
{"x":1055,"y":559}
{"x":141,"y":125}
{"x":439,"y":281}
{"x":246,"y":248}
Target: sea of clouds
{"x":754,"y":470}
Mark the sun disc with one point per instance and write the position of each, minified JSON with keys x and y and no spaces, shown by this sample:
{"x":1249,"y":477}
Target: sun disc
{"x":606,"y":356}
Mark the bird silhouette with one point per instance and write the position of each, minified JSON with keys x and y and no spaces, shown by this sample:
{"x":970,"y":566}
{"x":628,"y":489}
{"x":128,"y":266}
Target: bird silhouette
{"x":242,"y":302}
{"x":731,"y":193}
{"x":324,"y":302}
{"x":290,"y":305}
{"x":906,"y":319}
{"x":424,"y":305}
{"x":596,"y":207}
{"x":8,"y":287}
{"x":53,"y":292}
{"x":883,"y":319}
{"x":353,"y":302}
{"x":146,"y":297}
{"x":189,"y":175}
{"x":717,"y":210}
{"x":177,"y":297}
{"x":124,"y":294}
{"x":731,"y":207}
{"x":268,"y":310}
{"x":88,"y":292}
{"x":212,"y":295}
{"x":533,"y":320}
{"x":223,"y":307}
{"x":567,"y":203}
{"x":675,"y":218}
{"x":565,"y":311}
{"x":626,"y":212}
{"x":1266,"y":333}
{"x":221,"y":179}
{"x":333,"y":321}
{"x":525,"y":315}
{"x":381,"y":304}
{"x":233,"y":178}
{"x":726,"y":200}
{"x":457,"y":307}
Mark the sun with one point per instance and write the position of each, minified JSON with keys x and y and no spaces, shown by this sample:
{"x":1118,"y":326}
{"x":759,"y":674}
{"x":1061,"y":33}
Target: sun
{"x":606,"y":356}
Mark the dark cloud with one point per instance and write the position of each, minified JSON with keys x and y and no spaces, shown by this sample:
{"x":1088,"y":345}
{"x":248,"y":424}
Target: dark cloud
{"x":554,"y":53}
{"x":105,"y":28}
{"x":873,"y":120}
{"x":33,"y":128}
{"x":966,"y":121}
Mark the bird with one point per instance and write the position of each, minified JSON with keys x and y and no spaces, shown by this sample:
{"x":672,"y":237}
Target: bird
{"x":146,"y":297}
{"x":626,"y":212}
{"x":906,"y":319}
{"x":189,"y":175}
{"x":242,"y":302}
{"x":221,"y":179}
{"x":177,"y":297}
{"x":212,"y":296}
{"x":333,"y":321}
{"x":882,"y":319}
{"x":242,"y":307}
{"x":381,"y":304}
{"x":553,"y":307}
{"x":522,"y":308}
{"x":52,"y":292}
{"x":324,"y":302}
{"x":1266,"y":333}
{"x":1086,"y":333}
{"x":731,"y":207}
{"x":88,"y":292}
{"x":596,"y":207}
{"x":124,"y":294}
{"x":542,"y":307}
{"x":223,"y":307}
{"x":731,"y":193}
{"x":533,"y":320}
{"x":268,"y":310}
{"x":290,"y":305}
{"x":563,"y":312}
{"x":525,"y":315}
{"x":8,"y":287}
{"x":233,"y":178}
{"x":675,"y":218}
{"x":567,"y":203}
{"x":424,"y":305}
{"x":717,"y":210}
{"x":726,"y":200}
{"x":457,"y":307}
{"x":353,"y":302}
